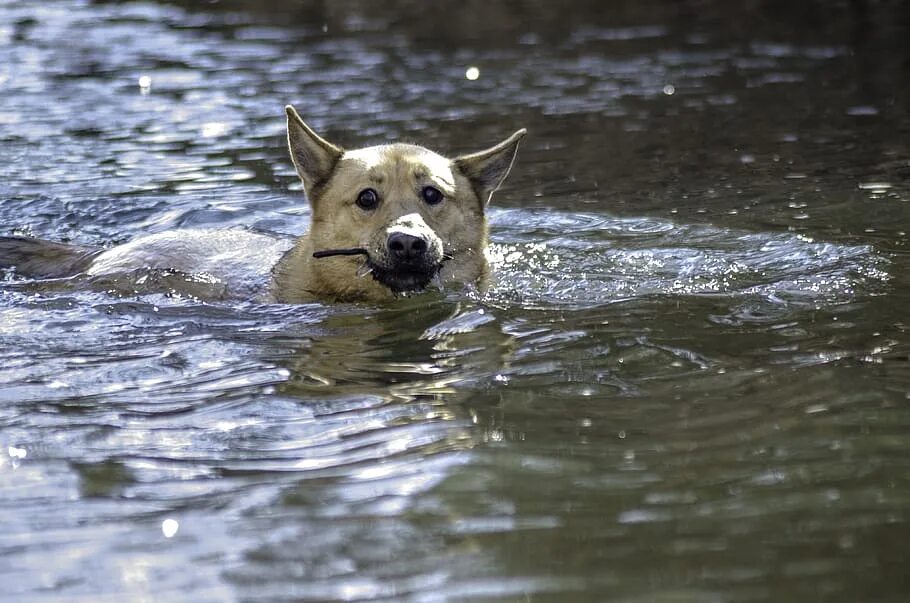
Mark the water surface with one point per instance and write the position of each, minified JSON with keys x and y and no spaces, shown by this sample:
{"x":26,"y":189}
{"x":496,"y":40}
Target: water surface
{"x":689,"y":382}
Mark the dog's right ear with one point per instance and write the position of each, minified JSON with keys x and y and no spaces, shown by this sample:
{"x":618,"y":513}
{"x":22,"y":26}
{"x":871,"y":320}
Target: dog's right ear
{"x":313,"y":156}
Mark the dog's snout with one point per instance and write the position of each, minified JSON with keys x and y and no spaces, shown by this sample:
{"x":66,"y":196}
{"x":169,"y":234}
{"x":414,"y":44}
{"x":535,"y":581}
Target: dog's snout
{"x":406,"y":247}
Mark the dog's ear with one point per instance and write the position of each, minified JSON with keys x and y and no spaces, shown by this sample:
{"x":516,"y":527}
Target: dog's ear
{"x":487,"y":169}
{"x":313,"y":156}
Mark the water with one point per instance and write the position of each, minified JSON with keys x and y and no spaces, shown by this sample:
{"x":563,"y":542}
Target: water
{"x":689,"y":382}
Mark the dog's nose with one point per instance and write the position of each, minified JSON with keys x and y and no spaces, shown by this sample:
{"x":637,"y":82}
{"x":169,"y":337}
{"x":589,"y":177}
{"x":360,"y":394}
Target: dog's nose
{"x":406,"y":247}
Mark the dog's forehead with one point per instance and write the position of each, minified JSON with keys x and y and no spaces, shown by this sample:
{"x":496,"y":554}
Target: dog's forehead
{"x":400,"y":160}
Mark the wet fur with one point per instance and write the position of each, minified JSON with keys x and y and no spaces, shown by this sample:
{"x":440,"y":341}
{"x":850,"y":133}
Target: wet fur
{"x":35,"y":258}
{"x":454,"y":230}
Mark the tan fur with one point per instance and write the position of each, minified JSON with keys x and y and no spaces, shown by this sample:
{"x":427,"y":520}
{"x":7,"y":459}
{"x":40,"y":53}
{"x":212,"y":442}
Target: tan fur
{"x":334,"y":178}
{"x":237,"y":263}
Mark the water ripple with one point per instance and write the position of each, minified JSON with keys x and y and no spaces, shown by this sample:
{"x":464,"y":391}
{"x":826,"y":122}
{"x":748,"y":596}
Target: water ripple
{"x":584,"y":260}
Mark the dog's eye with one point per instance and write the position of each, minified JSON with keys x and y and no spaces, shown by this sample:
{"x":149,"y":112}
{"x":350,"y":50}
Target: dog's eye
{"x":431,"y":195}
{"x":367,"y":199}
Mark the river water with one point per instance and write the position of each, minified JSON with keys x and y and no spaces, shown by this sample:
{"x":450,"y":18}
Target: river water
{"x":689,"y":382}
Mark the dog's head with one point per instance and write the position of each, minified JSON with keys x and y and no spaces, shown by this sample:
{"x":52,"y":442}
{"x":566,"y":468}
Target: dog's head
{"x":400,"y":213}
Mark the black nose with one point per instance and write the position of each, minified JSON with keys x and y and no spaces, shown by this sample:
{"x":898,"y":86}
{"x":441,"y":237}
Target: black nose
{"x":406,"y":248}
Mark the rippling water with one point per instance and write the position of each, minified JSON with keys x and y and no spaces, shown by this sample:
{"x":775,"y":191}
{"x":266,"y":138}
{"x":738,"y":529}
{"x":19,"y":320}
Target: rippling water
{"x":689,"y":382}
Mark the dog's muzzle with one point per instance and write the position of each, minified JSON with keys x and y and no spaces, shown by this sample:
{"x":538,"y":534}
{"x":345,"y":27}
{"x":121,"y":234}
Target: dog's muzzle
{"x":409,"y":263}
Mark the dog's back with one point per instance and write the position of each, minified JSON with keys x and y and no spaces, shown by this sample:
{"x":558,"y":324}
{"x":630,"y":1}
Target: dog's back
{"x":210,"y":264}
{"x":40,"y":259}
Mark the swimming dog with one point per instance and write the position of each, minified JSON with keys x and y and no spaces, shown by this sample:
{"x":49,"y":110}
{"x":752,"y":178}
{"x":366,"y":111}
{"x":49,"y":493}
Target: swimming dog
{"x":386,"y":220}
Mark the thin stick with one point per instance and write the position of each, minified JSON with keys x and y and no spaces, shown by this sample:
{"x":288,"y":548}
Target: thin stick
{"x":325,"y":253}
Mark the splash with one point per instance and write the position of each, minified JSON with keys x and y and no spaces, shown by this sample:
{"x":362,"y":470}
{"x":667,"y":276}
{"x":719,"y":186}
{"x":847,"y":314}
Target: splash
{"x":542,"y":257}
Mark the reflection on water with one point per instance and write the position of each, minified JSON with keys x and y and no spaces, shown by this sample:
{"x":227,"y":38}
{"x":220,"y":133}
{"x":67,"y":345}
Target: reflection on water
{"x":689,"y":381}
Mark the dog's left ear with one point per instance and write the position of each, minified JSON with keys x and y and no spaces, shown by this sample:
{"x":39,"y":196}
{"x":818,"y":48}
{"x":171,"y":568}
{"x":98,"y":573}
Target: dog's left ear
{"x":487,"y":169}
{"x":313,"y":156}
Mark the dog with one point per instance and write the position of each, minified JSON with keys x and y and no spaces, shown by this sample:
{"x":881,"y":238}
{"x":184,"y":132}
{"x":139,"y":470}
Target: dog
{"x":387,"y":221}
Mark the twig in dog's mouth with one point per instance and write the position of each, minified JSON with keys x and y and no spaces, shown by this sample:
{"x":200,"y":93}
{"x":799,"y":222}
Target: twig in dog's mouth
{"x":325,"y":253}
{"x":404,"y":281}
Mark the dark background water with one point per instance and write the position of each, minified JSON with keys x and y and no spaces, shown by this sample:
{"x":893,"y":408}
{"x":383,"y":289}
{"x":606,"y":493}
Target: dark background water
{"x":690,"y":382}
